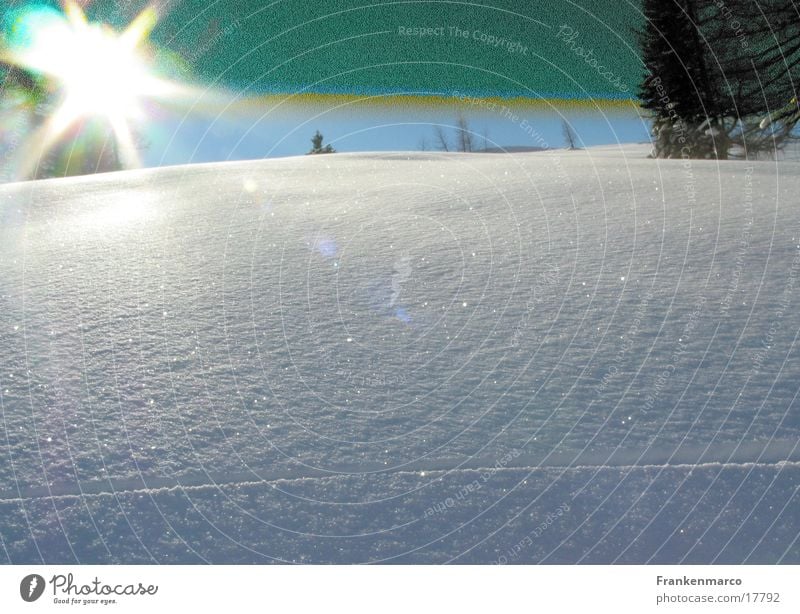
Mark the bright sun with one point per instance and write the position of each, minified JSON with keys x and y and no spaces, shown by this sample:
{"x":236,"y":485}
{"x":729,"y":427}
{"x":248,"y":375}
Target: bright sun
{"x":100,"y":73}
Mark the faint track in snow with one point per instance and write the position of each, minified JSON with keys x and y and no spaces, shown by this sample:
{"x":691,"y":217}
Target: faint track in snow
{"x":776,"y":454}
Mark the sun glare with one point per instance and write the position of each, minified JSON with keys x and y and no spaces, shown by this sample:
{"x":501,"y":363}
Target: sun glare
{"x":100,"y":73}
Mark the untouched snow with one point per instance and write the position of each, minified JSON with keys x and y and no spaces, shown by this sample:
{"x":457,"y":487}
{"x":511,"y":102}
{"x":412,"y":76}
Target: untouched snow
{"x":541,"y":357}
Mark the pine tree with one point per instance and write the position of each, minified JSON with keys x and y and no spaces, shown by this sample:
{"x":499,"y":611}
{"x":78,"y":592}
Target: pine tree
{"x":680,"y":88}
{"x":757,"y":45}
{"x":722,"y":76}
{"x":317,"y":148}
{"x":762,"y":54}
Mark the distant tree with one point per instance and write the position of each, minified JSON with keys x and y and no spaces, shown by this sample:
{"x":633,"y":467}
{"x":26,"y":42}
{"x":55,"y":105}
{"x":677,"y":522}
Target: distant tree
{"x":441,"y":138}
{"x":463,"y":140}
{"x":317,"y":148}
{"x":463,"y":133}
{"x":569,"y":135}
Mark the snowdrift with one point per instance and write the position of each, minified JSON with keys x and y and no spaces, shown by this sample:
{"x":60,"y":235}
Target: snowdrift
{"x":541,"y":357}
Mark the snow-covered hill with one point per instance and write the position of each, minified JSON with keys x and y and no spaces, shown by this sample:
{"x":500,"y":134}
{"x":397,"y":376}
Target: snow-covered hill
{"x":558,"y":356}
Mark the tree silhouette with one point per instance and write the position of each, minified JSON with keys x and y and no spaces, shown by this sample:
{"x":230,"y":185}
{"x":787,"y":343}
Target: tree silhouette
{"x":441,"y":138}
{"x":317,"y":148}
{"x":464,"y":133}
{"x":463,"y":136}
{"x":569,"y":135}
{"x":679,"y":88}
{"x":721,"y":76}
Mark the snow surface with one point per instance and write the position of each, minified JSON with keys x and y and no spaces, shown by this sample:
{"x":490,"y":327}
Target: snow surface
{"x":541,"y":357}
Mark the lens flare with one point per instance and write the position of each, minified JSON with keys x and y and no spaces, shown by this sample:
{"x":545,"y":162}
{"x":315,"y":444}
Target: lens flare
{"x":100,"y":74}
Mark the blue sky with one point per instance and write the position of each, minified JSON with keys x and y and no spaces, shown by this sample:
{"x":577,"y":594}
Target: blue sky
{"x":231,"y":97}
{"x":255,"y":135}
